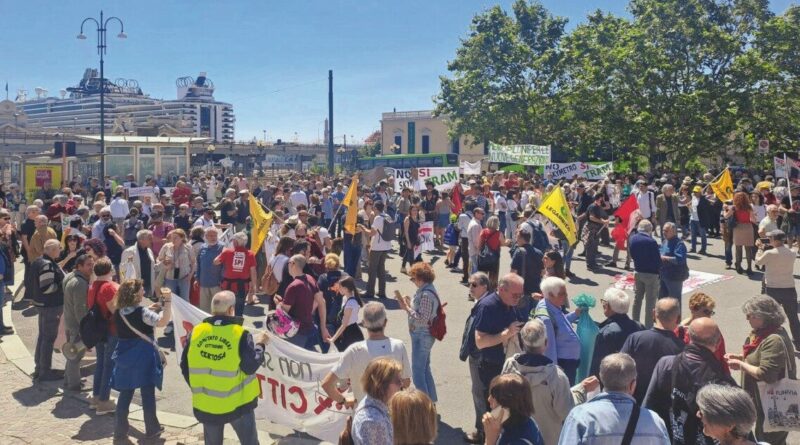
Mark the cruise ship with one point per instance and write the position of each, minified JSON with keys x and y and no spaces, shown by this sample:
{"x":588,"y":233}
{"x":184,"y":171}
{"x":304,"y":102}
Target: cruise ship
{"x":195,"y":112}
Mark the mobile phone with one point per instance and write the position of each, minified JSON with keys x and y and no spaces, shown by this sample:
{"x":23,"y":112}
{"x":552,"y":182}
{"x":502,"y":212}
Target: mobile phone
{"x":500,"y":413}
{"x":397,"y":295}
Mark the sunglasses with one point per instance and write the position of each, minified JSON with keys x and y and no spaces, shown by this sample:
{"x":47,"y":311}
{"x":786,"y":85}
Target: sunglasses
{"x":709,"y":312}
{"x":473,"y":285}
{"x":105,"y":216}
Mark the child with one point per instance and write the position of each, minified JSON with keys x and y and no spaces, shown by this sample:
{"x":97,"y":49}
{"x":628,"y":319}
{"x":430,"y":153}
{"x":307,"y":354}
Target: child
{"x":620,"y":236}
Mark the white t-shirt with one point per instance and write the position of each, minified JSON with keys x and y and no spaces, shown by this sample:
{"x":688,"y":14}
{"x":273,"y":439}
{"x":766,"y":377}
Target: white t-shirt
{"x":351,"y":304}
{"x":358,"y":355}
{"x":378,"y":244}
{"x":298,"y":197}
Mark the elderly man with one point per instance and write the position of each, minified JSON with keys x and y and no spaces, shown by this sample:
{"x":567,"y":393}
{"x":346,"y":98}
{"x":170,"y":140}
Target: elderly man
{"x":700,"y":217}
{"x":615,"y":329}
{"x":644,"y":252}
{"x":606,"y":417}
{"x":550,"y":389}
{"x":42,"y":234}
{"x":778,"y":261}
{"x":690,"y":370}
{"x":48,"y":297}
{"x":770,"y":222}
{"x":648,"y":346}
{"x":473,"y":237}
{"x":301,"y":299}
{"x":646,"y":200}
{"x":242,"y":204}
{"x":101,"y":223}
{"x":357,"y":356}
{"x":496,"y":321}
{"x":478,"y":289}
{"x":239,"y":271}
{"x":667,"y":206}
{"x":141,"y":257}
{"x":209,"y":275}
{"x":565,"y":347}
{"x":206,"y":373}
{"x":76,"y":288}
{"x":674,"y":269}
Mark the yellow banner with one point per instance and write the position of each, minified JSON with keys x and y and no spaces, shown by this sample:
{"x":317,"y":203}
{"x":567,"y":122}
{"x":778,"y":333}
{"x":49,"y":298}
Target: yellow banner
{"x":556,"y":208}
{"x":351,"y":201}
{"x":723,"y":186}
{"x":39,"y":176}
{"x":261,"y":220}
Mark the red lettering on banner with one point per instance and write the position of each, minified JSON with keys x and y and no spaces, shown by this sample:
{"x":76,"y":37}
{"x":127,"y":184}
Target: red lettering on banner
{"x":274,"y":383}
{"x":304,"y":404}
{"x":261,"y":378}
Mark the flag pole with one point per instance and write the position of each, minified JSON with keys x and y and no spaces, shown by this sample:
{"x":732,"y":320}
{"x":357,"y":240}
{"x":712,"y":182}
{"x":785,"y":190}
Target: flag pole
{"x":786,"y":169}
{"x":715,"y":179}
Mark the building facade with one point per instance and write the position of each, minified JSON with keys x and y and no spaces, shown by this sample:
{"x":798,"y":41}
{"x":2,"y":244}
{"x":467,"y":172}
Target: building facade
{"x":420,"y":132}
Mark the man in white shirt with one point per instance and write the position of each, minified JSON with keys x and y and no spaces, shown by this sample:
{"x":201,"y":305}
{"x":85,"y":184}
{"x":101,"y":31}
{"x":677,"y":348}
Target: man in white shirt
{"x":205,"y":220}
{"x":647,"y":204}
{"x":463,"y":226}
{"x":357,"y":356}
{"x":298,"y":197}
{"x":379,"y":250}
{"x":473,"y":238}
{"x":119,"y":208}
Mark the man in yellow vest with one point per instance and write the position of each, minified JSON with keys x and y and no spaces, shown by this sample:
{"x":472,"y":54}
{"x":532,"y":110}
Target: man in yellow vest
{"x":219,"y":362}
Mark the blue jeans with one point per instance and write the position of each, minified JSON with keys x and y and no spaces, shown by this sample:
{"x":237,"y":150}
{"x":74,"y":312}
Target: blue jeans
{"x":244,"y":426}
{"x":352,"y":254}
{"x":473,"y":264}
{"x":307,"y":340}
{"x":566,"y":253}
{"x":151,"y":424}
{"x":670,"y":288}
{"x":421,"y":345}
{"x":697,"y":229}
{"x":102,"y":371}
{"x":180,"y":288}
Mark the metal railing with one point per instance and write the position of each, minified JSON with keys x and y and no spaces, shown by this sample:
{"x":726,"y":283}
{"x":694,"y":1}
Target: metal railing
{"x":424,"y":114}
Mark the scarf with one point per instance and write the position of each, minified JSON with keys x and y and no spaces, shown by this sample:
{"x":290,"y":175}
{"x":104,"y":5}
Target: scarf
{"x":755,"y":339}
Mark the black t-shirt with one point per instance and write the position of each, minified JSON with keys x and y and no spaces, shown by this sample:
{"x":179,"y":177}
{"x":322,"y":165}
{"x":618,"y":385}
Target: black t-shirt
{"x":597,"y":211}
{"x":145,"y":267}
{"x":136,"y":321}
{"x":228,"y":207}
{"x":528,"y":259}
{"x":183,"y":222}
{"x":113,"y":249}
{"x":27,"y":230}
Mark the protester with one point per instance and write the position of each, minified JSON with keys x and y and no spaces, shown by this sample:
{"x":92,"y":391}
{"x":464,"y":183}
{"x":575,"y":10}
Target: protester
{"x":421,"y":311}
{"x":176,"y":263}
{"x":647,"y":347}
{"x":410,"y":239}
{"x":209,"y":275}
{"x":565,"y":348}
{"x":76,"y":288}
{"x":646,"y":257}
{"x":356,"y":357}
{"x":301,"y":299}
{"x":742,"y":218}
{"x":348,"y":331}
{"x":676,"y":380}
{"x":379,"y":250}
{"x":137,"y":364}
{"x":526,"y":261}
{"x":674,"y":269}
{"x":238,"y":271}
{"x":615,"y":329}
{"x":474,"y":230}
{"x":700,"y":217}
{"x":728,"y":414}
{"x":48,"y":298}
{"x":778,"y":261}
{"x":511,"y":393}
{"x":702,"y":305}
{"x":492,"y":238}
{"x":596,"y":220}
{"x":767,"y":356}
{"x":371,"y":422}
{"x":413,"y":418}
{"x":207,"y":375}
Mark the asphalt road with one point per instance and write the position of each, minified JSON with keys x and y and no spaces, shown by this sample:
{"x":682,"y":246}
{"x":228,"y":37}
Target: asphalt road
{"x":452,"y":375}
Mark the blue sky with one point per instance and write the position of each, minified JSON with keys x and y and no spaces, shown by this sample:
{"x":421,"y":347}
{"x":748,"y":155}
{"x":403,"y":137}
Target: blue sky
{"x":269,"y":59}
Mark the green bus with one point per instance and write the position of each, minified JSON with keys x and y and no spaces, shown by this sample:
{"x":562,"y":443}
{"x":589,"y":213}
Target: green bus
{"x":409,"y":161}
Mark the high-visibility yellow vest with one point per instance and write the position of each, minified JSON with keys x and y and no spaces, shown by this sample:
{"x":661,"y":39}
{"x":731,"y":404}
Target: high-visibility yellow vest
{"x":218,"y":384}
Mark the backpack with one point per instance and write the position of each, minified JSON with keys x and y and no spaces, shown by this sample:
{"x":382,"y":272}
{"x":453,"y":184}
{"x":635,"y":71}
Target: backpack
{"x":488,"y":258}
{"x":93,"y":326}
{"x":438,"y":327}
{"x":389,"y":232}
{"x":539,"y":238}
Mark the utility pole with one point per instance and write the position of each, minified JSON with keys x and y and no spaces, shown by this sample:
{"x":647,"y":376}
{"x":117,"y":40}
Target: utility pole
{"x":330,"y":122}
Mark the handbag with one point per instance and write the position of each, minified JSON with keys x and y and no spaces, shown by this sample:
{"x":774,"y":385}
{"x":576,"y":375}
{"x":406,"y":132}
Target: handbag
{"x":779,"y":400}
{"x":488,"y":259}
{"x":161,"y":355}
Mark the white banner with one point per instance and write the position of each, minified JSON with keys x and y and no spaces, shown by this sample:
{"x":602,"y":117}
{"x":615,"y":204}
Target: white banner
{"x":226,"y":239}
{"x":142,"y":191}
{"x":780,"y":168}
{"x":291,"y":392}
{"x":470,"y":168}
{"x":567,"y":170}
{"x":443,"y":178}
{"x":520,"y":154}
{"x":426,"y":236}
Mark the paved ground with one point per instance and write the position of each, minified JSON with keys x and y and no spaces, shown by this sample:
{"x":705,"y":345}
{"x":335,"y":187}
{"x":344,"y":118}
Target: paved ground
{"x":47,"y":407}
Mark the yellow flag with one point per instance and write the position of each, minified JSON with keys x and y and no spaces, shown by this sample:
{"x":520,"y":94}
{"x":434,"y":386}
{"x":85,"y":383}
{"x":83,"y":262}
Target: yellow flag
{"x":556,"y":208}
{"x":261,"y":221}
{"x":723,"y":186}
{"x":351,"y":201}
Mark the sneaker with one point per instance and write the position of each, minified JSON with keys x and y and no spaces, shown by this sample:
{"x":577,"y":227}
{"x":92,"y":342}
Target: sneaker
{"x":403,"y":271}
{"x":93,"y":402}
{"x":6,"y":330}
{"x":155,"y":433}
{"x":106,"y":407}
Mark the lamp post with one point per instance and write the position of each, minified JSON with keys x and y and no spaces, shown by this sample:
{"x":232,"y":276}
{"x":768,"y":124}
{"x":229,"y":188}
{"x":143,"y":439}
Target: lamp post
{"x":209,"y":156}
{"x":102,"y":26}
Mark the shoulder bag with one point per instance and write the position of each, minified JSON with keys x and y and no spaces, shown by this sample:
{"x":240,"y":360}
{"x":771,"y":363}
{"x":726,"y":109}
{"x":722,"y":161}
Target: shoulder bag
{"x":161,"y":355}
{"x":778,"y":404}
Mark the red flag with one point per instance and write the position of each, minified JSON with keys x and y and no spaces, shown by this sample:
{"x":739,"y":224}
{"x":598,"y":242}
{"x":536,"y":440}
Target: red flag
{"x":624,"y":211}
{"x":456,"y":199}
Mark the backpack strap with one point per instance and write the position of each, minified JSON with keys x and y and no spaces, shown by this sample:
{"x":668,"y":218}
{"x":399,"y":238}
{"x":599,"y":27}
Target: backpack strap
{"x":631,"y":428}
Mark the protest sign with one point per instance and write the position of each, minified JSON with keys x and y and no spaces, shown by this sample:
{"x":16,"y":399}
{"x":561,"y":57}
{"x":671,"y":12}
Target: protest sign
{"x":695,"y":281}
{"x":793,"y":173}
{"x":140,"y":191}
{"x":567,"y":170}
{"x":520,"y":154}
{"x":471,"y":168}
{"x":443,"y":178}
{"x":291,"y":392}
{"x":426,"y":236}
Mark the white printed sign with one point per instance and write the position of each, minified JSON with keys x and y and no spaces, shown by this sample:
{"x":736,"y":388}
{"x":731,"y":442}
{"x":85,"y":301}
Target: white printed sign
{"x":141,"y":191}
{"x":471,"y":168}
{"x":426,"y":236}
{"x":568,"y":170}
{"x":443,"y":178}
{"x":291,"y":392}
{"x":520,"y":154}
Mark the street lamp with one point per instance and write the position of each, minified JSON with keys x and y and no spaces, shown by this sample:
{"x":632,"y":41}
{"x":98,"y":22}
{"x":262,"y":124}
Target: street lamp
{"x":209,"y":155}
{"x":102,"y":26}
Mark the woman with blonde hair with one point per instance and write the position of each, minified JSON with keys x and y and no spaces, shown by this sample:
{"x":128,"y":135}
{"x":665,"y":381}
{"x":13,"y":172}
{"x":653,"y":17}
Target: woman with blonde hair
{"x":137,"y":361}
{"x":742,"y":217}
{"x":381,"y":380}
{"x":177,"y":264}
{"x":413,"y":418}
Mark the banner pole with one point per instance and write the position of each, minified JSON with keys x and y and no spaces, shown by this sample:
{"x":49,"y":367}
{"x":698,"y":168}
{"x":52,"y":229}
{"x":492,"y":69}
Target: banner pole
{"x":715,"y":179}
{"x":786,"y":174}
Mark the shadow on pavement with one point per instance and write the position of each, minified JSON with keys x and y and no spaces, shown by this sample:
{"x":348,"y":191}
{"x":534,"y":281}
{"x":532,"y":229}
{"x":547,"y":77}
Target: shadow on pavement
{"x":35,"y":394}
{"x":96,"y":428}
{"x":449,"y":435}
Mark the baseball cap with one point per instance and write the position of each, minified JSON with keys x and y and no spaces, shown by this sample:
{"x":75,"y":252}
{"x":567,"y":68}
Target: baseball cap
{"x":696,"y":189}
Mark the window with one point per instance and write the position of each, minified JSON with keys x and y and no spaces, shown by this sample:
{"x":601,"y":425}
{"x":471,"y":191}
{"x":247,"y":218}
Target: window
{"x":456,"y":146}
{"x":147,"y":150}
{"x":398,"y":140}
{"x":426,"y":144}
{"x":178,"y":151}
{"x":412,"y":137}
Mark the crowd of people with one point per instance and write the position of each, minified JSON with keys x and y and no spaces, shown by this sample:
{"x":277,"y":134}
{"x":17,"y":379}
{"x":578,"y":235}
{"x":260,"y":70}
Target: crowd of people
{"x":106,"y":265}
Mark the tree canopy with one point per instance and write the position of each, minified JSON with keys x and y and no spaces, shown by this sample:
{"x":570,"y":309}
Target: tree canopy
{"x":679,"y":80}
